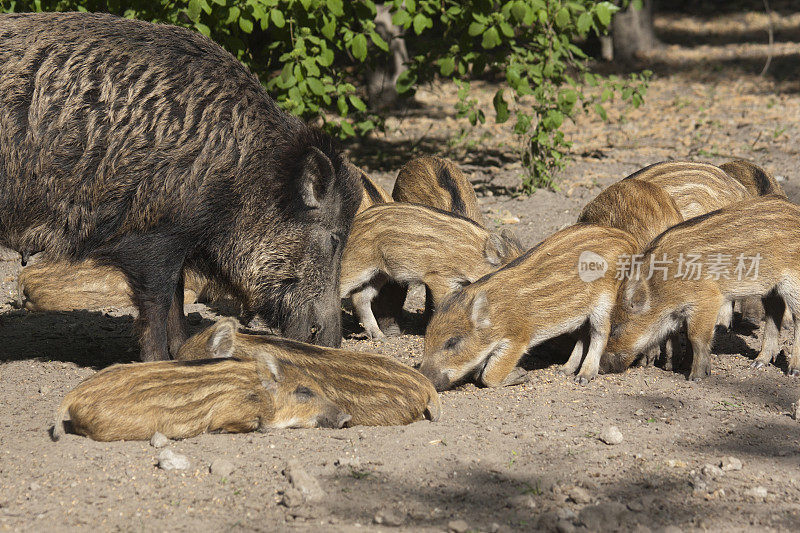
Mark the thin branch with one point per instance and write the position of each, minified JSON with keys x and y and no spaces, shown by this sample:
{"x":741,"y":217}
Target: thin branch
{"x":771,"y":38}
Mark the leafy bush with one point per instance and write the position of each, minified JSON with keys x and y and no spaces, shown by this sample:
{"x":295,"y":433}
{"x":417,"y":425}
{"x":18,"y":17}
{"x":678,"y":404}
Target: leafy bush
{"x":312,"y":55}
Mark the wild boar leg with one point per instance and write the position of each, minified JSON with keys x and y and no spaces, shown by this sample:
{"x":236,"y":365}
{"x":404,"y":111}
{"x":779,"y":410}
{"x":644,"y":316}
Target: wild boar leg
{"x":501,"y":369}
{"x":774,"y":307}
{"x":598,"y":335}
{"x":700,"y":327}
{"x":176,"y":320}
{"x":362,"y":302}
{"x":575,"y":358}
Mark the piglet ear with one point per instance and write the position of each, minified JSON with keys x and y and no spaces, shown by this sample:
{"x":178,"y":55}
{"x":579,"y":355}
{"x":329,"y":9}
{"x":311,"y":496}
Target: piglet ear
{"x":223,"y":335}
{"x":480,"y":311}
{"x":494,"y":249}
{"x":317,"y":174}
{"x":272,"y":365}
{"x":636,"y":296}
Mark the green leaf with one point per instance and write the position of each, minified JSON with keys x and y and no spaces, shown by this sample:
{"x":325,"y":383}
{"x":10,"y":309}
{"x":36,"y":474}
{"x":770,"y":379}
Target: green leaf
{"x":446,"y":66}
{"x":347,"y":128}
{"x":359,"y":47}
{"x":500,"y":107}
{"x":405,"y":81}
{"x":277,"y":18}
{"x":357,"y":102}
{"x":600,"y":110}
{"x":336,"y":7}
{"x":401,"y":18}
{"x":562,"y":17}
{"x":584,"y":23}
{"x":476,"y":28}
{"x":328,"y":28}
{"x":421,"y":22}
{"x":246,"y":24}
{"x":193,"y":10}
{"x":202,"y":28}
{"x":378,"y":40}
{"x":316,"y":86}
{"x":491,"y":38}
{"x":520,"y":10}
{"x":604,"y":11}
{"x":326,"y":57}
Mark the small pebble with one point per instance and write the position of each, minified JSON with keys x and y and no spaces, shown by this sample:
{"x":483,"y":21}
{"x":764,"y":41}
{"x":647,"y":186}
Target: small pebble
{"x":712,"y":471}
{"x":458,"y":526}
{"x":730,"y":463}
{"x":221,"y":467}
{"x":169,"y":460}
{"x":158,"y":440}
{"x":579,"y":495}
{"x":611,"y":435}
{"x":44,"y":389}
{"x":389,"y":518}
{"x":304,"y":482}
{"x":757,"y":492}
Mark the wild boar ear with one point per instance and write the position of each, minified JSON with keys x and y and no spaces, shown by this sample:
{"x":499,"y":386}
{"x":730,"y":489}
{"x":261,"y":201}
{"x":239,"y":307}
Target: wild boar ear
{"x":636,"y":296}
{"x":494,"y":249}
{"x":511,"y":239}
{"x":480,"y":311}
{"x":316,"y":177}
{"x":220,"y":343}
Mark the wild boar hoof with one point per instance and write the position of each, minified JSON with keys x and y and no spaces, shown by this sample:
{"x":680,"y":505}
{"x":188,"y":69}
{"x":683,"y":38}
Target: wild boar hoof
{"x":757,"y":364}
{"x":583,"y":380}
{"x":793,"y":372}
{"x":698,"y":375}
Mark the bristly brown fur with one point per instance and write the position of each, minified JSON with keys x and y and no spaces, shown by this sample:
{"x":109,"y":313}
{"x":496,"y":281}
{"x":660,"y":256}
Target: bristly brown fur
{"x":66,"y":286}
{"x":696,"y":188}
{"x":181,"y":400}
{"x":375,"y":390}
{"x":652,"y":308}
{"x":373,"y":193}
{"x":755,"y":179}
{"x":485,"y":328}
{"x":148,"y":147}
{"x":437,"y":182}
{"x":642,"y":209}
{"x":410,"y":243}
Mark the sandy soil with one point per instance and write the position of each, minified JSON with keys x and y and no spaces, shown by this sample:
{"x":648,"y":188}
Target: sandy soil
{"x":520,"y":458}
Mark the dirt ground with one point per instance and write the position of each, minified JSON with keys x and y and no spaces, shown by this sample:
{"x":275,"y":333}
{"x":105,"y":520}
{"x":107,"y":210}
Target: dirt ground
{"x":520,"y":458}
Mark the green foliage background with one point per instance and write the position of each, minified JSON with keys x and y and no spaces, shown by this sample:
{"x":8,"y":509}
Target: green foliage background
{"x":312,"y":54}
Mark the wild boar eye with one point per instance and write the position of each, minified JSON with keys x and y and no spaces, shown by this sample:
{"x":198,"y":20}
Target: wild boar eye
{"x":303,"y":394}
{"x":335,"y":241}
{"x":451,"y":343}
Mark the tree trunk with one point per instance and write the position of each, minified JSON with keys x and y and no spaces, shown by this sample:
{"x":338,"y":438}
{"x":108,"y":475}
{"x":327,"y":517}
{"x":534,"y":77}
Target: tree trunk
{"x":633,"y":32}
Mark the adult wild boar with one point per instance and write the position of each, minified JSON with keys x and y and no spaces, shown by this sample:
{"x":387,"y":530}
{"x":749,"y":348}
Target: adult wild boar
{"x":148,"y":147}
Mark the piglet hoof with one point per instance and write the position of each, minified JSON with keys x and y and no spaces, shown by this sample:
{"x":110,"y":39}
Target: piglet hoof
{"x":793,"y":372}
{"x":518,"y":376}
{"x":757,"y":364}
{"x":583,"y":379}
{"x":375,"y":335}
{"x":566,"y":370}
